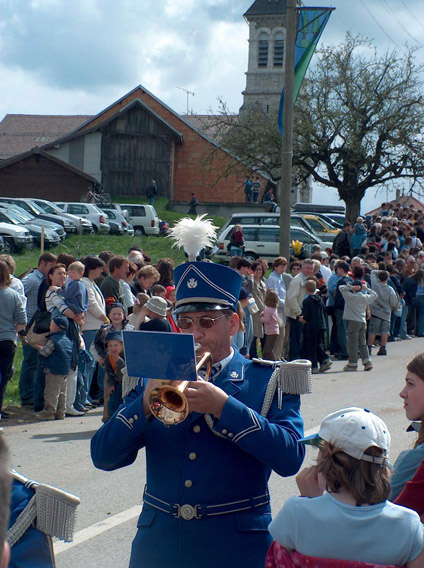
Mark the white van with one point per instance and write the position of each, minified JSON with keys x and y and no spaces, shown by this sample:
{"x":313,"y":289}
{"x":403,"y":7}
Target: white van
{"x":142,"y":217}
{"x":262,"y":241}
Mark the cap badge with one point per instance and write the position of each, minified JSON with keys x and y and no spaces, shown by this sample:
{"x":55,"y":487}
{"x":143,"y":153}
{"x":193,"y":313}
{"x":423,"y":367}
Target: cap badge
{"x":234,"y":375}
{"x":192,"y":283}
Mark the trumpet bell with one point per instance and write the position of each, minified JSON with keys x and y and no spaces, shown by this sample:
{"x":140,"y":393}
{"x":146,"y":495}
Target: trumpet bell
{"x":167,"y":401}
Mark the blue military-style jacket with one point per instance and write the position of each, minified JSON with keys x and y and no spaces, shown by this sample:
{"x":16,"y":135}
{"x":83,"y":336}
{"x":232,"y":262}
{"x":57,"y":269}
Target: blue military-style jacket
{"x":206,"y":501}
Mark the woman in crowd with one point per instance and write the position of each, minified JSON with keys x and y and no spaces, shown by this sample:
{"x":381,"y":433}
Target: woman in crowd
{"x":277,"y":282}
{"x":12,"y":321}
{"x":257,"y":287}
{"x":237,"y":241}
{"x":165,"y":267}
{"x":94,"y":318}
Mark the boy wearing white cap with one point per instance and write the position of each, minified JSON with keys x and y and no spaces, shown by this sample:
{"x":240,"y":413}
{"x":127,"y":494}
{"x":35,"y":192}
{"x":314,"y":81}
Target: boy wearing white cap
{"x":348,"y":516}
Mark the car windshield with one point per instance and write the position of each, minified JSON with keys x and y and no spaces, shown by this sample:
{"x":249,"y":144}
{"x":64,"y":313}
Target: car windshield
{"x":36,"y":208}
{"x":50,"y":208}
{"x":7,"y":214}
{"x":20,"y":214}
{"x":110,"y":213}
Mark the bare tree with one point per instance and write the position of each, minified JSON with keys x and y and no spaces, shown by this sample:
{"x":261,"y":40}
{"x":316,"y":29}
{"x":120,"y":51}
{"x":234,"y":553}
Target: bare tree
{"x":360,"y":120}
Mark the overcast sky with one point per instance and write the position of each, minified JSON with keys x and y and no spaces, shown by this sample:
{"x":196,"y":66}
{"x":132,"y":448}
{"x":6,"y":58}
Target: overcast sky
{"x":78,"y":56}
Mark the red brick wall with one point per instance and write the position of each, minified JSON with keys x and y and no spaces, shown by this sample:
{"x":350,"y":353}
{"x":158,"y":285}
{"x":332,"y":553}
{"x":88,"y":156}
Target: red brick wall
{"x":36,"y":176}
{"x":191,"y":171}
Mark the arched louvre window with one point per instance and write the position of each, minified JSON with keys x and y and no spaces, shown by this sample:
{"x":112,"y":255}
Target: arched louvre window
{"x":278,"y":50}
{"x":263,"y":50}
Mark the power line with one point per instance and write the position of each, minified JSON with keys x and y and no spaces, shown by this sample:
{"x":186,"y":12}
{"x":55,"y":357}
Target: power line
{"x":411,"y":14}
{"x":376,"y":21}
{"x":396,"y":19}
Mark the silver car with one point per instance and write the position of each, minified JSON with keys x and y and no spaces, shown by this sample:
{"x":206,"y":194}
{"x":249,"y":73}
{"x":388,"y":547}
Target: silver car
{"x":89,"y":211}
{"x":83,"y":225}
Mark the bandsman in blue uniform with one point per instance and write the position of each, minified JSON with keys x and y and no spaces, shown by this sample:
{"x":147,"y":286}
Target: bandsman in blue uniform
{"x":206,"y":501}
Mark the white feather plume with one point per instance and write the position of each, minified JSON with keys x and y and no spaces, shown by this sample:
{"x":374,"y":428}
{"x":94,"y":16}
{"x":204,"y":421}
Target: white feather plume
{"x":193,"y":235}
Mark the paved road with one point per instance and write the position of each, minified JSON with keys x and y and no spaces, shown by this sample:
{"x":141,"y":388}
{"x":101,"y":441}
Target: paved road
{"x":58,"y":453}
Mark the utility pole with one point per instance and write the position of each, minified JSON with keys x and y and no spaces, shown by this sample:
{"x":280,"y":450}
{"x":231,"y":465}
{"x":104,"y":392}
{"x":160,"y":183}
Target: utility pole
{"x":287,"y":145}
{"x":188,"y":93}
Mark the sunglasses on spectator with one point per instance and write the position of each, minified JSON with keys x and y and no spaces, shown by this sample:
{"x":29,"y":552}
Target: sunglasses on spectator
{"x":204,"y":321}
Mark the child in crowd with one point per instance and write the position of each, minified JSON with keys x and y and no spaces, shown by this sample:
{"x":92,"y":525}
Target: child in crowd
{"x":116,"y":314}
{"x":158,"y":290}
{"x":357,"y":298}
{"x":313,"y":318}
{"x":269,"y":318}
{"x":140,"y":300}
{"x":75,"y":293}
{"x":347,"y":515}
{"x":359,"y":236}
{"x":114,"y":363}
{"x":156,"y":310}
{"x":381,"y":310}
{"x":56,"y":357}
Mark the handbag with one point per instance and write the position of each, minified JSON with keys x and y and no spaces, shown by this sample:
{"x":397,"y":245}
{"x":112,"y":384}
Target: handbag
{"x":33,"y":339}
{"x":41,"y":321}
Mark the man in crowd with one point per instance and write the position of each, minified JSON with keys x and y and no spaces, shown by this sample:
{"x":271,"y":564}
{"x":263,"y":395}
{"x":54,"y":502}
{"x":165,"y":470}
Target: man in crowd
{"x":293,"y":309}
{"x":207,"y":477}
{"x":151,"y":192}
{"x":32,"y":283}
{"x":111,"y":286}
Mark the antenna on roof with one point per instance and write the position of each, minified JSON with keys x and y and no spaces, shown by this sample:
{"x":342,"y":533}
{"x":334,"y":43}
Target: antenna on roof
{"x":188,"y":93}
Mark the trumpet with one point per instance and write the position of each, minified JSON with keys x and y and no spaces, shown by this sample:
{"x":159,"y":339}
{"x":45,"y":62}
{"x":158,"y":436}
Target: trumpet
{"x":168,"y":403}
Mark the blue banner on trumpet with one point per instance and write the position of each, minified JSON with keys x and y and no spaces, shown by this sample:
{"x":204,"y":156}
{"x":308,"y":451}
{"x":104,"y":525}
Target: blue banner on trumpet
{"x":159,"y":355}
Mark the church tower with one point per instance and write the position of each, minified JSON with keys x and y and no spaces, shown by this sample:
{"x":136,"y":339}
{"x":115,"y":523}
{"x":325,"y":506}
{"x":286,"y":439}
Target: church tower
{"x":265,"y":72}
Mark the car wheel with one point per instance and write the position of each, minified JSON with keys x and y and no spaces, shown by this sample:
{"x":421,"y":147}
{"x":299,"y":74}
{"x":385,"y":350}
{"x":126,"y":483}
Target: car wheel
{"x":95,"y":229}
{"x":251,"y":256}
{"x":8,"y":246}
{"x":139,"y":231}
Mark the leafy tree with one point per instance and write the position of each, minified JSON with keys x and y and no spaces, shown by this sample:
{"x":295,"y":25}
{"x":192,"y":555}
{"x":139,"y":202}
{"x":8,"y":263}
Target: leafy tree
{"x":359,"y":122}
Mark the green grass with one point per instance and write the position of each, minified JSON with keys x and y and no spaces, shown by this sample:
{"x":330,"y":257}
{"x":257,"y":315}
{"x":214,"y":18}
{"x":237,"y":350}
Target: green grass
{"x":82,"y":245}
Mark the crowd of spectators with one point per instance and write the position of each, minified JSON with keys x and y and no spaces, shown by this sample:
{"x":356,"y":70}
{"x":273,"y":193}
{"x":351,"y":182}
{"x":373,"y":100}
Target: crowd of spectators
{"x":365,"y":292}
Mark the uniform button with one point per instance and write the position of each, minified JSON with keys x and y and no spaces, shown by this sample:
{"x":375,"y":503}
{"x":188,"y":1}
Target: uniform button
{"x":192,"y":456}
{"x":130,"y":420}
{"x":196,"y":429}
{"x":188,"y":483}
{"x":230,"y":435}
{"x":224,"y":431}
{"x":135,"y":416}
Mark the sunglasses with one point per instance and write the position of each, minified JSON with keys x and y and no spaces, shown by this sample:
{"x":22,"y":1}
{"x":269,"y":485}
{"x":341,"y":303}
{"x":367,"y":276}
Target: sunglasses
{"x":204,"y":321}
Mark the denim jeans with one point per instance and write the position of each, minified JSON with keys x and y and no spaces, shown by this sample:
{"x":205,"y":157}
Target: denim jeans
{"x":90,"y":363}
{"x":236,"y":251}
{"x":341,"y":333}
{"x":39,"y":386}
{"x":81,"y":394}
{"x":419,"y":302}
{"x":28,"y":374}
{"x":115,"y":399}
{"x":402,"y":332}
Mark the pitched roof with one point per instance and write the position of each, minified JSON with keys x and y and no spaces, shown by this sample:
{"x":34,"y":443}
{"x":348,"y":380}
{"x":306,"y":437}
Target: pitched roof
{"x":406,"y":200}
{"x":267,"y":7}
{"x":41,"y":152}
{"x":21,"y":132}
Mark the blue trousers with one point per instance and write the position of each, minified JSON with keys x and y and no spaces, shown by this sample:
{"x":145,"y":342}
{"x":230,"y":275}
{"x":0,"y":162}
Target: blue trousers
{"x":419,"y":303}
{"x":28,"y":374}
{"x":295,"y":338}
{"x":341,"y":333}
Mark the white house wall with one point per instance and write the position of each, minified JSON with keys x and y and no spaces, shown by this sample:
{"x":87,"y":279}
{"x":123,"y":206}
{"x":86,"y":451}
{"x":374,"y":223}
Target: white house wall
{"x":83,"y":153}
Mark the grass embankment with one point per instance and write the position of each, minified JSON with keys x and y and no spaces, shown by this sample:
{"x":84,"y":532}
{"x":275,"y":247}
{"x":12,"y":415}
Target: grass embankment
{"x":81,"y":245}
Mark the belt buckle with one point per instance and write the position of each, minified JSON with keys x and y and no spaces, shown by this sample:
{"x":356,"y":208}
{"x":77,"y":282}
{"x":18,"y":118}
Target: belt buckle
{"x":187,"y":512}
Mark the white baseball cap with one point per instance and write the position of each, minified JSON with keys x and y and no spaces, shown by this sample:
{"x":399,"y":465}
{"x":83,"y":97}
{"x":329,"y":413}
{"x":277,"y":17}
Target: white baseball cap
{"x":354,"y":430}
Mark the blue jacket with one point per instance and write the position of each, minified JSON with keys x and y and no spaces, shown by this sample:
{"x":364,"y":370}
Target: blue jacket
{"x":59,"y":361}
{"x":190,"y":464}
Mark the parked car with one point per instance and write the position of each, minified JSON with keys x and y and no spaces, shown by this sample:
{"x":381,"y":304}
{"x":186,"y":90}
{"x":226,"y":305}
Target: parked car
{"x":322,"y":229}
{"x":89,"y":211}
{"x":20,"y":218}
{"x":35,"y":221}
{"x":117,"y":217}
{"x":16,"y":238}
{"x":142,"y":217}
{"x":83,"y":225}
{"x":267,"y":218}
{"x":31,"y":207}
{"x":262,"y":241}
